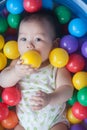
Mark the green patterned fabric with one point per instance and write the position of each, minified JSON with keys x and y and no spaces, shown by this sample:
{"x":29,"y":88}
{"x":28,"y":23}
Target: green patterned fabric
{"x":45,"y":118}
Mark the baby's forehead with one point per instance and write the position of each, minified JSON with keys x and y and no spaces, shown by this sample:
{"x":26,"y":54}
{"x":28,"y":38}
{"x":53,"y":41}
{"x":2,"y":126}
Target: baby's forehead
{"x":43,"y":22}
{"x":36,"y":22}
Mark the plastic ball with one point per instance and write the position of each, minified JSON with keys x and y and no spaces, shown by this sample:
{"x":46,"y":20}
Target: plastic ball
{"x":11,"y":31}
{"x":14,"y":6}
{"x":3,"y":24}
{"x":47,"y":4}
{"x":79,"y":80}
{"x":2,"y":4}
{"x":69,"y":43}
{"x":85,"y":121}
{"x":32,"y":58}
{"x":3,"y":61}
{"x":58,"y":57}
{"x":82,"y":96}
{"x":77,"y":127}
{"x":14,"y":20}
{"x":77,"y":27}
{"x":76,"y":63}
{"x":3,"y":112}
{"x":32,"y":5}
{"x":5,"y":12}
{"x":11,"y":121}
{"x":11,"y":50}
{"x":0,"y":99}
{"x":11,"y":96}
{"x":73,"y":99}
{"x":72,"y":119}
{"x":84,"y":49}
{"x":63,"y":14}
{"x":2,"y":42}
{"x":79,"y":111}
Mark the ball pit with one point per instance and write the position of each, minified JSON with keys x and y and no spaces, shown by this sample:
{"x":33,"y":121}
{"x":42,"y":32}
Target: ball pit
{"x":72,"y":17}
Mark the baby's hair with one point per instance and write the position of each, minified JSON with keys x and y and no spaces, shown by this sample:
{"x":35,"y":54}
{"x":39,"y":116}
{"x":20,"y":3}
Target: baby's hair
{"x":44,"y":14}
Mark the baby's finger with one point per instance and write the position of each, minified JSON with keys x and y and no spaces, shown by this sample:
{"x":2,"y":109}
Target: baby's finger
{"x":20,"y":61}
{"x":36,"y":107}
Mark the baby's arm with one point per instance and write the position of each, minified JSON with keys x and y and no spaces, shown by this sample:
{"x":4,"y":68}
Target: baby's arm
{"x":8,"y":76}
{"x":14,"y":72}
{"x":64,"y":87}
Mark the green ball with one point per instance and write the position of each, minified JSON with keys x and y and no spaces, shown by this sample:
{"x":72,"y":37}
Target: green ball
{"x":73,"y":99}
{"x":14,"y":20}
{"x":0,"y":99}
{"x":63,"y":14}
{"x":82,"y":96}
{"x":3,"y":24}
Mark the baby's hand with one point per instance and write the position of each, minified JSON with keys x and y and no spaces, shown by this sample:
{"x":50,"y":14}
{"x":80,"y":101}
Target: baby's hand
{"x":22,"y":70}
{"x":41,"y":99}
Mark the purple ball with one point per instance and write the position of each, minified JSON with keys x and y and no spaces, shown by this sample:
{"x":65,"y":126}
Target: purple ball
{"x":85,"y":121}
{"x":77,"y":127}
{"x":84,"y":49}
{"x":69,"y":43}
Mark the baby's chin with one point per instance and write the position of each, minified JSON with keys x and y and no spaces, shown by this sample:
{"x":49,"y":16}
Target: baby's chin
{"x":45,"y":63}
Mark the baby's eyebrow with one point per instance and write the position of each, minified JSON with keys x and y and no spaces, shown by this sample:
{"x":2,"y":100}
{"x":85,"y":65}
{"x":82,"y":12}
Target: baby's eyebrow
{"x":44,"y":34}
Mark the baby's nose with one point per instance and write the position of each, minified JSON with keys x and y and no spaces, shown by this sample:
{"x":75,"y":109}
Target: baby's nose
{"x":30,"y":45}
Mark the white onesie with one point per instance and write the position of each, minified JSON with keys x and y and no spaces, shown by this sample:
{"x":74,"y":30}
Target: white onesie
{"x":45,"y":118}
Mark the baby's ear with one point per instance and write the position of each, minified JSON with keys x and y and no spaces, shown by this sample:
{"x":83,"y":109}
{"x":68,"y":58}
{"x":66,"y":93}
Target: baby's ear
{"x":56,"y":43}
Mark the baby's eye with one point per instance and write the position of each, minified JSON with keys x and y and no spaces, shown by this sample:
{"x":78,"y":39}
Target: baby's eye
{"x":37,"y":39}
{"x":23,"y":39}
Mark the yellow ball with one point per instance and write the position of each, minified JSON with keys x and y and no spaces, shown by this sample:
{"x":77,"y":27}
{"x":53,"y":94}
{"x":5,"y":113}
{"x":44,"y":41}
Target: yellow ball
{"x":3,"y":61}
{"x":32,"y":58}
{"x":2,"y":42}
{"x":58,"y":57}
{"x":72,"y":119}
{"x":79,"y":80}
{"x":11,"y":50}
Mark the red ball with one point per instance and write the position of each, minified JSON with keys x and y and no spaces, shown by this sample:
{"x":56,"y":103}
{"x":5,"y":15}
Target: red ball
{"x":11,"y":96}
{"x":76,"y":63}
{"x":79,"y":111}
{"x":4,"y":111}
{"x":32,"y":5}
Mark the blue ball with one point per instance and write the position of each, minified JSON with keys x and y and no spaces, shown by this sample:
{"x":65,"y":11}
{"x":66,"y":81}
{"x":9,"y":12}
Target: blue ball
{"x":2,"y":5}
{"x":15,"y":6}
{"x":48,"y":4}
{"x":77,"y":27}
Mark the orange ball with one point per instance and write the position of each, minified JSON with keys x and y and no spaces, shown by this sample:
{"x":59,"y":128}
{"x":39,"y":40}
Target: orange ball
{"x":32,"y":58}
{"x":11,"y":121}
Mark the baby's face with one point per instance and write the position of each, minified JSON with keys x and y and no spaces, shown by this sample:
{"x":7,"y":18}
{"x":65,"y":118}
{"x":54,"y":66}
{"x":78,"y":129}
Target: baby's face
{"x":34,"y":35}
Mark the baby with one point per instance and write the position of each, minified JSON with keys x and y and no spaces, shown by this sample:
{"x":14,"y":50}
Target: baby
{"x":46,"y":89}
